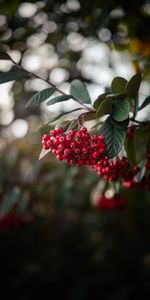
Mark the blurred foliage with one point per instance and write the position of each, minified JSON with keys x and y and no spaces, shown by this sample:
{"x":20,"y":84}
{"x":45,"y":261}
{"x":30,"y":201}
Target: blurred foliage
{"x":40,"y":185}
{"x":70,"y":249}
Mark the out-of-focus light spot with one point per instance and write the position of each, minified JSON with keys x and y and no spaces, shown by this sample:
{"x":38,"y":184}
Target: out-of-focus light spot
{"x":144,"y":88}
{"x":124,"y":69}
{"x":146,"y":8}
{"x":109,"y":193}
{"x":73,"y":5}
{"x":6,"y":117}
{"x":62,"y":46}
{"x":40,"y":18}
{"x":32,"y":62}
{"x":117,"y":13}
{"x":27,"y":9}
{"x":16,"y":55}
{"x":61,"y":106}
{"x":19,"y":32}
{"x":72,"y":26}
{"x":19,"y":128}
{"x":104,"y":35}
{"x":41,"y":4}
{"x":7,"y":35}
{"x":50,"y":27}
{"x":95,"y":90}
{"x":76,"y":41}
{"x":63,"y":7}
{"x":3,"y":20}
{"x":50,"y":62}
{"x":6,"y":100}
{"x":35,"y":85}
{"x":5,"y":65}
{"x":121,"y":64}
{"x":65,"y":87}
{"x":96,"y":53}
{"x":46,"y":50}
{"x":58,"y":75}
{"x":71,"y":104}
{"x":36,"y":40}
{"x":97,"y":73}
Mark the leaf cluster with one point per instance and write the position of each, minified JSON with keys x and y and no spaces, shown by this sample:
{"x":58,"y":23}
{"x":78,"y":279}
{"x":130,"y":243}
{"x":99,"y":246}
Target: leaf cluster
{"x":112,"y":111}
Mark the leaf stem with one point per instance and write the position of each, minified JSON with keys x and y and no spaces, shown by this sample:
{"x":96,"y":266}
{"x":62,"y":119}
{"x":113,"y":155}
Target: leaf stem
{"x":139,"y":122}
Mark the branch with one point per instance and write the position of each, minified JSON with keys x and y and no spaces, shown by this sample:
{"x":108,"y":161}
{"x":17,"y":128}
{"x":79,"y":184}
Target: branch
{"x":50,"y":83}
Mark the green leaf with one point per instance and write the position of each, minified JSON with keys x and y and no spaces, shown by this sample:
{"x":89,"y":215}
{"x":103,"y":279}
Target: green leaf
{"x":145,"y":103}
{"x":43,"y":153}
{"x":120,"y":124}
{"x":90,"y":116}
{"x":132,"y":104}
{"x":107,"y":96}
{"x":115,"y":96}
{"x":58,"y":99}
{"x":142,"y":138}
{"x":141,"y":147}
{"x":99,"y":100}
{"x":114,"y":136}
{"x":143,"y":133}
{"x":63,"y":114}
{"x":118,"y":85}
{"x":130,"y":148}
{"x":104,"y":108}
{"x":120,"y":109}
{"x":79,"y":91}
{"x":133,"y":86}
{"x":40,"y":97}
{"x":4,"y":56}
{"x":14,"y":74}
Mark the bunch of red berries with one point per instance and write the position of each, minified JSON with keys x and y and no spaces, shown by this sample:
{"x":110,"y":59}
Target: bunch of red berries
{"x":116,"y":169}
{"x":75,"y":147}
{"x":144,"y":182}
{"x":115,"y":202}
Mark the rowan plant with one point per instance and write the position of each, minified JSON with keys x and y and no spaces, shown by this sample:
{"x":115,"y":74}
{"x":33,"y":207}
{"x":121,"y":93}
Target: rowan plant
{"x":115,"y":144}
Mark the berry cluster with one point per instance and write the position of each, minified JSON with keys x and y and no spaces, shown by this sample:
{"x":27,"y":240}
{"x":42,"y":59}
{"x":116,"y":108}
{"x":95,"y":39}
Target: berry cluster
{"x":116,"y":169}
{"x":144,"y":182}
{"x":75,"y":147}
{"x":80,"y":148}
{"x":115,"y":202}
{"x":10,"y":221}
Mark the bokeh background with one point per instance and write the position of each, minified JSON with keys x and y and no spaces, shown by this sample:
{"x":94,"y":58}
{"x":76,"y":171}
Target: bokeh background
{"x":67,"y":247}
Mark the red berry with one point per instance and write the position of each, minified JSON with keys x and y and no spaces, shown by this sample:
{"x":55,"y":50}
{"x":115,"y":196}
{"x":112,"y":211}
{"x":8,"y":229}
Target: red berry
{"x":71,"y":132}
